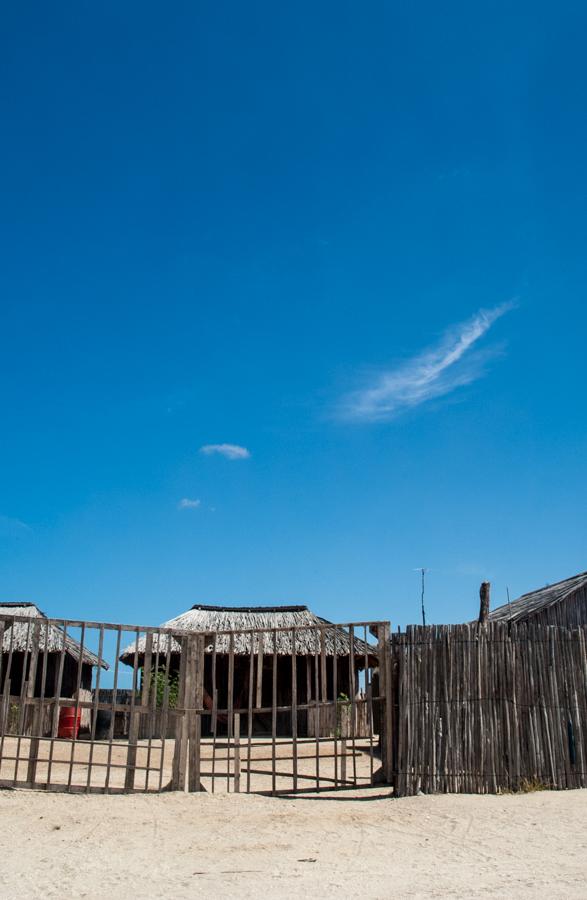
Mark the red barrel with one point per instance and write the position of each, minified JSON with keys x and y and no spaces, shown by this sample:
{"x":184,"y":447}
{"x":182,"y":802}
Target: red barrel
{"x":68,"y":722}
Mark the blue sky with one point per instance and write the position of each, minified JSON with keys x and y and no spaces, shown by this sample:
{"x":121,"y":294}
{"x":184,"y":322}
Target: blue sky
{"x":348,"y":238}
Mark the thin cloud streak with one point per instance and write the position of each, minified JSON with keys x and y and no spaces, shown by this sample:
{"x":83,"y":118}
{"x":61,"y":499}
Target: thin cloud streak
{"x":187,"y":503}
{"x":13,"y":528}
{"x":229,"y":451}
{"x":455,"y":362}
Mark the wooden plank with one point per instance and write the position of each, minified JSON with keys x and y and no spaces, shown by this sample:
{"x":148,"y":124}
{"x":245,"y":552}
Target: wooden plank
{"x":353,"y":698}
{"x":337,"y":720}
{"x":317,"y":728}
{"x":237,"y":753}
{"x":214,"y":717}
{"x":384,"y":658}
{"x":36,"y":717}
{"x":259,"y":696}
{"x":133,"y":728}
{"x":294,"y":709}
{"x":178,"y":778}
{"x":230,"y":706}
{"x":369,"y":698}
{"x":165,"y":640}
{"x":58,"y":686}
{"x":274,"y":714}
{"x":113,"y":700}
{"x":250,"y":711}
{"x":195,"y":700}
{"x":94,"y":710}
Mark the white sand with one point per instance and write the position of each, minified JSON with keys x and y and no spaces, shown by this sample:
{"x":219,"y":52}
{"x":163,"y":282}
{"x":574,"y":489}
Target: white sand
{"x":179,"y":845}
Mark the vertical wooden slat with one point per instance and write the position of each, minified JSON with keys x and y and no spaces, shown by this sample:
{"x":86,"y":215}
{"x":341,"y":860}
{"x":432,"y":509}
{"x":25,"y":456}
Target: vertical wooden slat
{"x":237,"y":753}
{"x":80,"y":663}
{"x":164,"y":714}
{"x":259,"y":696}
{"x":317,"y":730}
{"x":250,"y":710}
{"x":369,"y":703}
{"x":57,"y":695}
{"x":294,"y":709}
{"x":274,"y":715}
{"x":153,"y":716}
{"x":22,"y":699}
{"x":337,"y":718}
{"x":353,"y":698}
{"x":178,"y":780}
{"x":145,"y":703}
{"x":214,"y":717}
{"x":230,"y":706}
{"x":384,"y":655}
{"x":113,"y":702}
{"x":133,"y":727}
{"x":37,"y":716}
{"x":195,"y":699}
{"x":6,"y":695}
{"x":95,"y":707}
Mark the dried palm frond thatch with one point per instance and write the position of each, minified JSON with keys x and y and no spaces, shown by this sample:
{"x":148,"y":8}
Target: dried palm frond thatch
{"x":20,"y":635}
{"x":242,"y":621}
{"x":536,"y":603}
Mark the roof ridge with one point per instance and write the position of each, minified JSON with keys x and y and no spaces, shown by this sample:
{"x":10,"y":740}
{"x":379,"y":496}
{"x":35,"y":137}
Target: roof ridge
{"x":13,"y":603}
{"x":553,"y":584}
{"x":247,"y":609}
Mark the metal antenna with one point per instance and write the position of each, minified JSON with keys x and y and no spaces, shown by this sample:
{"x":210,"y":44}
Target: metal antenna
{"x":423,"y":571}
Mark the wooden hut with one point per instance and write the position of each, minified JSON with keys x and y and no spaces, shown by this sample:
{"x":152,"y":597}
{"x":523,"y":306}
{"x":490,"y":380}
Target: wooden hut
{"x":563,"y":603}
{"x":17,"y":645}
{"x":315,"y":670}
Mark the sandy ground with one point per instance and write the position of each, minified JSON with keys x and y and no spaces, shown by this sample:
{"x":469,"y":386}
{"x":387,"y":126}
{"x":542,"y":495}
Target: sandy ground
{"x":180,"y":845}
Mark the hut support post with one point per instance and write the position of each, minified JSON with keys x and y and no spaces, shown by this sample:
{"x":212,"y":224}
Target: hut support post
{"x":194,"y":690}
{"x":385,"y":693}
{"x":181,"y":731}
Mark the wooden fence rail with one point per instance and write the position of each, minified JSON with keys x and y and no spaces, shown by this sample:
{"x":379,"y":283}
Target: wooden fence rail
{"x":489,"y":708}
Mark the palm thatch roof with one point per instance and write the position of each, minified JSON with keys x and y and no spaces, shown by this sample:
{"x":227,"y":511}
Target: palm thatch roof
{"x":241,"y":621}
{"x":530,"y":604}
{"x":20,"y":635}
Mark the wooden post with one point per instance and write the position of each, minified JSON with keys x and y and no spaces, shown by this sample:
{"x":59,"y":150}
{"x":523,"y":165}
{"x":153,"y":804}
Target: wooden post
{"x":237,"y":753}
{"x":181,"y":731}
{"x":484,"y":602}
{"x":385,"y":693}
{"x":195,"y":703}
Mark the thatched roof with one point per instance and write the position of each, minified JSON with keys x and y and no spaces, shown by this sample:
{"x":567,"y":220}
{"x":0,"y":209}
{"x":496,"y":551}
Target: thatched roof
{"x":527,"y":605}
{"x":19,"y":634}
{"x":238,"y":619}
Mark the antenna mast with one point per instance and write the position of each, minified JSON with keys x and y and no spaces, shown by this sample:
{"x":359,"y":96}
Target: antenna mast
{"x":423,"y":571}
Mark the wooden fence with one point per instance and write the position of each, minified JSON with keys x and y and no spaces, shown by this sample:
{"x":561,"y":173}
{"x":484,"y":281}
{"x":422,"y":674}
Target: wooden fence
{"x":287,"y":708}
{"x":489,"y":708}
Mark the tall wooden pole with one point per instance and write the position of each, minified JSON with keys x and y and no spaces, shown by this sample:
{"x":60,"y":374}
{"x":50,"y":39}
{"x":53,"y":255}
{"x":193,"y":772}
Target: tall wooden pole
{"x":484,"y":602}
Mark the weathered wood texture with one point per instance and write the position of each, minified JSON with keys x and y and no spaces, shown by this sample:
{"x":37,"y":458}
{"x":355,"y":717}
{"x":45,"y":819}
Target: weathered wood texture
{"x":183,"y":688}
{"x":483,"y":709}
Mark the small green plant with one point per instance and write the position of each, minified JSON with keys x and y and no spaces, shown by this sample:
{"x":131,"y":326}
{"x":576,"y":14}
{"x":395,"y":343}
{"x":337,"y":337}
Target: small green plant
{"x":159,"y":682}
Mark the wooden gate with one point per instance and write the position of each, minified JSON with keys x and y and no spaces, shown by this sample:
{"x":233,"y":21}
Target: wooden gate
{"x":273,"y":710}
{"x":282,"y":710}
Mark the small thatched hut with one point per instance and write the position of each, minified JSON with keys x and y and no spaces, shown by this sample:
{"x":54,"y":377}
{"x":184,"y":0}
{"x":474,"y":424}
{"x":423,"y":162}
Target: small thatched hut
{"x":563,"y":603}
{"x":17,"y":645}
{"x":242,"y":621}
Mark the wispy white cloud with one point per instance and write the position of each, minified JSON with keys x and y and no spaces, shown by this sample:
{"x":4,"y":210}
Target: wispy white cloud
{"x":453,"y":363}
{"x":188,"y":503}
{"x":230,"y":451}
{"x":10,"y":528}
